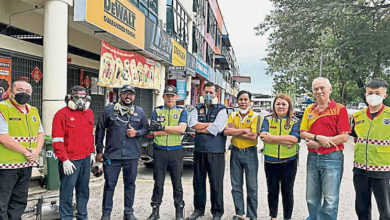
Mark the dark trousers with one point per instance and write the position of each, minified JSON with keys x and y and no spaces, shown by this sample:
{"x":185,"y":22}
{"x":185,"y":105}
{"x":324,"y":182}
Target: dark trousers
{"x":213,"y":165}
{"x":111,"y":174}
{"x":171,"y":161}
{"x":364,"y":186}
{"x":13,"y":192}
{"x":79,"y":180}
{"x":281,"y":175}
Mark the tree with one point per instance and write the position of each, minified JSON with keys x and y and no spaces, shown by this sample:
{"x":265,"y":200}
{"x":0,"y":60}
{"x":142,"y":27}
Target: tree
{"x":353,"y":37}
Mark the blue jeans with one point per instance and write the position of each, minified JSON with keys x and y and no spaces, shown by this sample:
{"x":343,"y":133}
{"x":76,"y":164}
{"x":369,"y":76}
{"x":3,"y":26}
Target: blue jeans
{"x":324,"y":173}
{"x":240,"y":162}
{"x":111,"y":174}
{"x":80,"y":180}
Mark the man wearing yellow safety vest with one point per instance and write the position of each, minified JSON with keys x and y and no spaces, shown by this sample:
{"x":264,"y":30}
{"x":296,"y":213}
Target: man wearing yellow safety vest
{"x":21,"y":140}
{"x":244,"y":126}
{"x":168,"y":123}
{"x":371,"y":172}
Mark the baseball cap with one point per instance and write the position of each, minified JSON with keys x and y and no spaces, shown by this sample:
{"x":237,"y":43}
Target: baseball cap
{"x":128,"y":88}
{"x":170,"y":90}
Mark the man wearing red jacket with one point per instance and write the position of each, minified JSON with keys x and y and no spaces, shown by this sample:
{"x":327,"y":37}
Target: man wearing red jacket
{"x":73,"y":144}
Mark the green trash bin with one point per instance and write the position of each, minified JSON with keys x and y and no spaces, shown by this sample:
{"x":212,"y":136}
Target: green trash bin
{"x":52,"y":178}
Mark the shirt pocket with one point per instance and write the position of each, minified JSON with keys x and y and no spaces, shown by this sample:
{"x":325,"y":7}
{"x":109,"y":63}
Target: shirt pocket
{"x":383,"y":149}
{"x":135,"y":122}
{"x":71,"y":126}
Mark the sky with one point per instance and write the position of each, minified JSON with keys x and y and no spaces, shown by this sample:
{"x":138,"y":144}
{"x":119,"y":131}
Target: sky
{"x":249,"y":48}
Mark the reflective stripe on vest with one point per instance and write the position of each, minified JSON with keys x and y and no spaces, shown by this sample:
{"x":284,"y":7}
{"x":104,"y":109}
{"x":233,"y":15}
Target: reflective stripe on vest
{"x":23,"y":128}
{"x":172,"y":117}
{"x":372,"y":149}
{"x":278,"y":128}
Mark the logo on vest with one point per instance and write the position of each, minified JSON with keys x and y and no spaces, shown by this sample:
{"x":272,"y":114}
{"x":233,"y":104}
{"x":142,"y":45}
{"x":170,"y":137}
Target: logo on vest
{"x":175,"y":116}
{"x":359,"y":122}
{"x":135,"y":113}
{"x":15,"y":119}
{"x":201,"y":111}
{"x":247,"y":121}
{"x":71,"y":119}
{"x":386,"y":121}
{"x":273,"y":127}
{"x":287,"y":126}
{"x":310,"y":116}
{"x":34,"y":118}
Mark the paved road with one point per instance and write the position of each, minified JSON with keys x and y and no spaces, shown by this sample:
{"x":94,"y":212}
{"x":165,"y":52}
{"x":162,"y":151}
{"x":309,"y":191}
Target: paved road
{"x":145,"y":186}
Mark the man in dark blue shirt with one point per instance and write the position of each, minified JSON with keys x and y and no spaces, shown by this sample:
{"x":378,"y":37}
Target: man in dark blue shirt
{"x":122,"y":124}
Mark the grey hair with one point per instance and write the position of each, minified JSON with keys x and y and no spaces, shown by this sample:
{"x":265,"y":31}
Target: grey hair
{"x":327,"y":82}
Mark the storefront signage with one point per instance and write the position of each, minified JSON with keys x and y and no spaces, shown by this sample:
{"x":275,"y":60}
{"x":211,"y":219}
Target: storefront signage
{"x":5,"y":77}
{"x":211,"y":77}
{"x":118,"y":17}
{"x":191,"y":64}
{"x":178,"y":54}
{"x":118,"y":68}
{"x":177,"y":72}
{"x":201,"y":68}
{"x":181,"y":89}
{"x":157,"y":41}
{"x":36,"y":74}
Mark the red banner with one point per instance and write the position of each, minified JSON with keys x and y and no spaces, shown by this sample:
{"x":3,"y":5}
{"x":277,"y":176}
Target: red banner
{"x":118,"y":68}
{"x":5,"y":77}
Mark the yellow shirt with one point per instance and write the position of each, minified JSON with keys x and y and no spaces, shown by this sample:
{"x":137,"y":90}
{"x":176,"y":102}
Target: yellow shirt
{"x":252,"y":120}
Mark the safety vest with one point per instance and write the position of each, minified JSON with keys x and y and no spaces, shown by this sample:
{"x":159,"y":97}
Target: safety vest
{"x":280,"y":128}
{"x":23,"y":128}
{"x":372,"y":149}
{"x":171,"y":118}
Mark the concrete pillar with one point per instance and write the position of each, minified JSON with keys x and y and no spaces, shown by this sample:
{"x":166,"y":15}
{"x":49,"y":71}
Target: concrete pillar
{"x":187,"y":101}
{"x":158,"y":99}
{"x":222,"y":100}
{"x":55,"y":45}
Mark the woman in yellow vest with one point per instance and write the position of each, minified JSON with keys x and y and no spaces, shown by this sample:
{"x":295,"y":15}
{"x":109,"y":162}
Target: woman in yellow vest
{"x":280,"y":134}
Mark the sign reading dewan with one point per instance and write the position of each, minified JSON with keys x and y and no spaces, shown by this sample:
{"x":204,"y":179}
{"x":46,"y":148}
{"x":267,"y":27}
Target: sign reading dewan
{"x":178,"y":54}
{"x":118,"y":17}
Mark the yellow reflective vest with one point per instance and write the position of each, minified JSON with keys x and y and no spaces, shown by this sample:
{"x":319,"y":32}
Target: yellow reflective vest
{"x":23,"y":128}
{"x":171,"y":118}
{"x":372,"y":149}
{"x":280,"y":127}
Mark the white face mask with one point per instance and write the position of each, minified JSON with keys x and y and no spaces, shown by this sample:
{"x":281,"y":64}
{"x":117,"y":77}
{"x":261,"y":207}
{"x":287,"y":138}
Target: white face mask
{"x":244,"y":111}
{"x":374,"y":100}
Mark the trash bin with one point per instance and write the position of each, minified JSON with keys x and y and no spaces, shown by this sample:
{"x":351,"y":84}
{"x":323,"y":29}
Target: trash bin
{"x":52,"y":178}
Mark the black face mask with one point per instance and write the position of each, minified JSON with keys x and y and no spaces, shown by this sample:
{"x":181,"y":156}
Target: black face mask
{"x":22,"y":98}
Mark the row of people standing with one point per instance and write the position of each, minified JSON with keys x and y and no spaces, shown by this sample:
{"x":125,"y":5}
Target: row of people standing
{"x":324,"y":127}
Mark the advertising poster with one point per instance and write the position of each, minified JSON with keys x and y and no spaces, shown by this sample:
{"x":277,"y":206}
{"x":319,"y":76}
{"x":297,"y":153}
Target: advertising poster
{"x":181,"y":89}
{"x":5,"y":77}
{"x":119,"y":68}
{"x":157,"y":41}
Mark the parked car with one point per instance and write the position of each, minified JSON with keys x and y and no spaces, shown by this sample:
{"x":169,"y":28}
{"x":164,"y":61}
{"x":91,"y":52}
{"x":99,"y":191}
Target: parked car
{"x":187,"y":141}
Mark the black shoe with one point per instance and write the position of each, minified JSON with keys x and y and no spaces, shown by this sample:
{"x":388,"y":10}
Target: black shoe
{"x":236,"y":217}
{"x":180,"y":213}
{"x":129,"y":217}
{"x":155,"y":213}
{"x":195,"y":215}
{"x":105,"y":217}
{"x":217,"y":217}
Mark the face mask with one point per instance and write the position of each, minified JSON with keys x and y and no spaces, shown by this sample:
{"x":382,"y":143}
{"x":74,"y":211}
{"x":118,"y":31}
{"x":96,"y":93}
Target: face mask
{"x":374,"y":100}
{"x":22,"y":98}
{"x":79,"y":104}
{"x":244,"y":111}
{"x":207,"y":98}
{"x":214,"y":101}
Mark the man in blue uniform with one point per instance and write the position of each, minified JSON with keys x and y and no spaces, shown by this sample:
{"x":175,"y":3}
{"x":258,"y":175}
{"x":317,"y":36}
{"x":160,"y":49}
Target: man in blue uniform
{"x":122,"y":124}
{"x":209,"y":122}
{"x":169,"y":123}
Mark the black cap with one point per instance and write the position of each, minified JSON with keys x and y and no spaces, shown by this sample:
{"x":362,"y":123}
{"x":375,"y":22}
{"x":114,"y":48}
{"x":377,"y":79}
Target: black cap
{"x":170,"y":90}
{"x":128,"y":88}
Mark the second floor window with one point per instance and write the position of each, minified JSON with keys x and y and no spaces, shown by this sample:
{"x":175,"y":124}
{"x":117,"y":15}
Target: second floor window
{"x":177,"y":22}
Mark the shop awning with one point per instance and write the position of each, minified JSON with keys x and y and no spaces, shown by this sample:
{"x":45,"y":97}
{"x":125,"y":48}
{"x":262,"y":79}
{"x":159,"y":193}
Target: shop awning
{"x":221,"y":60}
{"x":242,"y":79}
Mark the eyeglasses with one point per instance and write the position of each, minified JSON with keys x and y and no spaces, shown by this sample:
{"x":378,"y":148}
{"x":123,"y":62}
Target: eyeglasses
{"x":128,"y":94}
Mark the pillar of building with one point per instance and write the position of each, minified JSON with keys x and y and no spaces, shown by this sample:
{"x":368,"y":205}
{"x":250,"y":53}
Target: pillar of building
{"x":158,"y":98}
{"x":187,"y":101}
{"x":55,"y":47}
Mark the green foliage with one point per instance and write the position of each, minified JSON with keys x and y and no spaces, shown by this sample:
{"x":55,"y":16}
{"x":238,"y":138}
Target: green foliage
{"x":353,"y":37}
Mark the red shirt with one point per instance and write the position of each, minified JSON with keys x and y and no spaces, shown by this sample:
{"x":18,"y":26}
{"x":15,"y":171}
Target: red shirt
{"x":331,"y":122}
{"x":72,"y":134}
